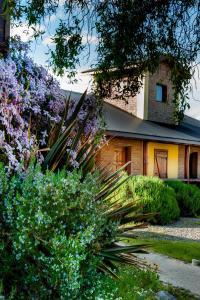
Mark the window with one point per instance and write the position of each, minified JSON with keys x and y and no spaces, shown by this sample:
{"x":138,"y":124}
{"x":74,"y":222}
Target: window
{"x":161,"y":92}
{"x":160,"y":163}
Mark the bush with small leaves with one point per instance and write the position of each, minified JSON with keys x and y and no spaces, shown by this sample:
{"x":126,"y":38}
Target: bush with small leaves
{"x":188,"y":197}
{"x":52,"y":230}
{"x":154,"y":197}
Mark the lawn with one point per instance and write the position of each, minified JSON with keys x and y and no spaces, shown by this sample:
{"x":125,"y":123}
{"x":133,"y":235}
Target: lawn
{"x":136,"y":284}
{"x":185,"y":251}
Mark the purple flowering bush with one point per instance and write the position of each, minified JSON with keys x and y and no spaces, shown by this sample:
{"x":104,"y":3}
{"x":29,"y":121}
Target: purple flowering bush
{"x":31,"y":102}
{"x":57,"y":228}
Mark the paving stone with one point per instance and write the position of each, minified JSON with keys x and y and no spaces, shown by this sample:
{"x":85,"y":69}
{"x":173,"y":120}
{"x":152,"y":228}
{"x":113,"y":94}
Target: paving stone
{"x":175,"y":272}
{"x":163,"y":295}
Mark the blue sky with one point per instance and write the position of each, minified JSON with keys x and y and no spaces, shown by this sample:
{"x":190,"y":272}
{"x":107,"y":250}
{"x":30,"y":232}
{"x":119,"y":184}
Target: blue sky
{"x":40,"y":48}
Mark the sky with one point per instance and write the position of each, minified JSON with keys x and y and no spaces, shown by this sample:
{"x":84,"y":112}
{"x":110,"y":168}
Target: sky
{"x":40,"y":48}
{"x":39,"y":53}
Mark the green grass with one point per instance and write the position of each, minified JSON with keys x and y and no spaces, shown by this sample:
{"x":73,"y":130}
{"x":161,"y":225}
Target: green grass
{"x":185,"y":251}
{"x":196,"y":223}
{"x":133,"y":281}
{"x":136,"y":284}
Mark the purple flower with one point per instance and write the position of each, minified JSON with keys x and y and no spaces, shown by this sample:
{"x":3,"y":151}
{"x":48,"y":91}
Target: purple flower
{"x":31,"y":101}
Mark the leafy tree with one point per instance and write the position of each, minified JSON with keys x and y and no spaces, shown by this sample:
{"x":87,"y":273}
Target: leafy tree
{"x":132,"y":36}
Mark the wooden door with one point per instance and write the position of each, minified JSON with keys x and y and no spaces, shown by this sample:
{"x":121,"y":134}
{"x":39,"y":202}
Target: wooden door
{"x":193,"y":164}
{"x":160,"y":163}
{"x":119,"y":157}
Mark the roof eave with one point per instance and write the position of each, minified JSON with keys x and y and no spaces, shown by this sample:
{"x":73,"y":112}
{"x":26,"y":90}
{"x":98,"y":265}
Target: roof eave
{"x":131,"y":135}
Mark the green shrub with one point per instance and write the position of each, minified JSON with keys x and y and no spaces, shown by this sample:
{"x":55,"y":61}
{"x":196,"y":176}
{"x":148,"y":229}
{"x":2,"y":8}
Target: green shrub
{"x":188,"y":197}
{"x":51,"y":232}
{"x":137,"y":284}
{"x":121,"y":193}
{"x":134,"y":284}
{"x":155,"y":197}
{"x":57,"y":232}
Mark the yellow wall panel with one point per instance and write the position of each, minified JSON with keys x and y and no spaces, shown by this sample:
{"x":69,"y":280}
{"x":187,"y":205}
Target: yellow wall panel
{"x":172,"y":167}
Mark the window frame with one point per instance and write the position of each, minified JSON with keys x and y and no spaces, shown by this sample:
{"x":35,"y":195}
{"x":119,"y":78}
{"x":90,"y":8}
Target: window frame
{"x":164,"y":92}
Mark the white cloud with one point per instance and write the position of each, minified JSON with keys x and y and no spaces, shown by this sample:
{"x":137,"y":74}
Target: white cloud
{"x":85,"y":39}
{"x":91,"y":39}
{"x":51,"y":18}
{"x":25,"y":32}
{"x":84,"y":81}
{"x":61,"y":2}
{"x":48,"y":41}
{"x":194,"y":95}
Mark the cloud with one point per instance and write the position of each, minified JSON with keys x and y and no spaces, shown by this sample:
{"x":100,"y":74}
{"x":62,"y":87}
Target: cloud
{"x":61,"y":2}
{"x":48,"y":41}
{"x":25,"y":32}
{"x":84,"y":81}
{"x":194,"y":95}
{"x":91,"y":39}
{"x":51,"y":18}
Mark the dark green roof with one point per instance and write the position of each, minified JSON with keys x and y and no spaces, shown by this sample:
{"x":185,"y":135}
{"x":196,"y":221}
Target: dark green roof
{"x":123,"y":124}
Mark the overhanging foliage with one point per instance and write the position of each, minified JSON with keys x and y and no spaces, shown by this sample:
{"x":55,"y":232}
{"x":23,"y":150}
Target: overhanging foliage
{"x":129,"y":33}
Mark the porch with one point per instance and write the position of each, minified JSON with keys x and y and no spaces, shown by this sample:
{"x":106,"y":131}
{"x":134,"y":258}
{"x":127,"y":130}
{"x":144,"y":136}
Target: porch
{"x":167,"y":161}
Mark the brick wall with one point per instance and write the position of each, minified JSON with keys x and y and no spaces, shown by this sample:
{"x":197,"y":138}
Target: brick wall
{"x":156,"y":111}
{"x":129,"y":106}
{"x":160,"y":111}
{"x":137,"y":158}
{"x":106,"y":155}
{"x":181,"y":161}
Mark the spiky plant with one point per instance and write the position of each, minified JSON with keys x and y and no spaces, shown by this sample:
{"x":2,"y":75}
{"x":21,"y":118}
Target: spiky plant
{"x":66,"y":138}
{"x":126,"y":215}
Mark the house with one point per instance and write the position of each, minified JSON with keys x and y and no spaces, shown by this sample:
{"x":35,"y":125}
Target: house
{"x":143,"y":132}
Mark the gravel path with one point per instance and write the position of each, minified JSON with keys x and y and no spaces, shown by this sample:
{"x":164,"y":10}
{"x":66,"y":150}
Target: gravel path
{"x":184,"y":229}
